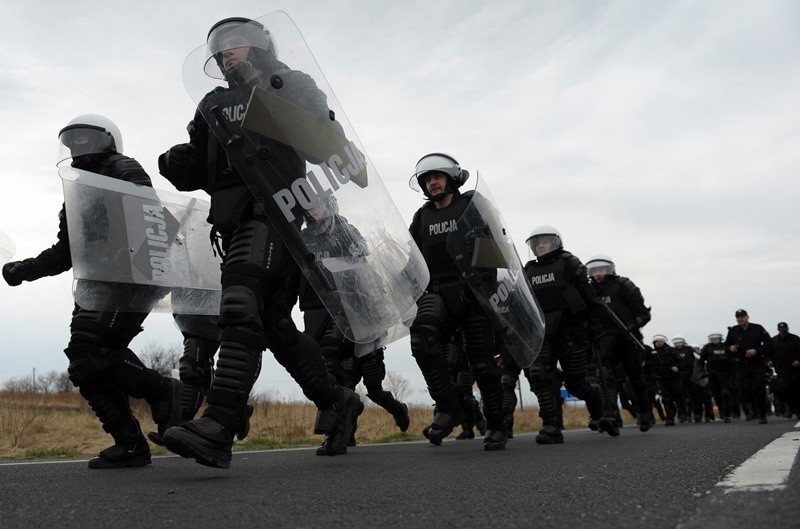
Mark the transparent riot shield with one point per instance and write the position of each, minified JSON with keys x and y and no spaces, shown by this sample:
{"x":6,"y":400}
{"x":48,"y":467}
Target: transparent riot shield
{"x":484,"y":254}
{"x":137,"y":249}
{"x":7,"y":248}
{"x":286,"y":135}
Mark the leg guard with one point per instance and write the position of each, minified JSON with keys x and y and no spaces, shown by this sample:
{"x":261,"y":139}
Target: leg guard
{"x":542,"y":379}
{"x":196,"y":370}
{"x":109,"y":405}
{"x":335,"y":351}
{"x":373,"y":370}
{"x":480,"y":347}
{"x":427,"y":349}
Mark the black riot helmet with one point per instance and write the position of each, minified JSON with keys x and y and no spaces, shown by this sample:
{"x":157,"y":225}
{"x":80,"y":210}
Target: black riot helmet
{"x":437,"y":162}
{"x":86,"y":136}
{"x":238,"y":32}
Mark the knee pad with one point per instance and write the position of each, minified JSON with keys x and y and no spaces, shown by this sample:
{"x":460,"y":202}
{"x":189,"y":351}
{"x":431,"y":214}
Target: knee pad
{"x":465,"y":378}
{"x":539,"y":373}
{"x":279,"y":331}
{"x":241,"y":302}
{"x":508,"y":381}
{"x":427,"y":327}
{"x":105,"y":328}
{"x":484,"y":369}
{"x":86,"y":363}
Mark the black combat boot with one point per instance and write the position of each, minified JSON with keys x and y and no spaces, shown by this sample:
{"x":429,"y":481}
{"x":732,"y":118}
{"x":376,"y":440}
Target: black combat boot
{"x":495,"y":440}
{"x":550,"y":435}
{"x":401,"y":419}
{"x":342,"y":417}
{"x":130,"y":448}
{"x":205,"y":440}
{"x":645,"y":421}
{"x":442,"y":426}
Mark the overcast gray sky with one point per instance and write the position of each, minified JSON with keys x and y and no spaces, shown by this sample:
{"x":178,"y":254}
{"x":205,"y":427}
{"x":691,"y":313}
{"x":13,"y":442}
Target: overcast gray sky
{"x":664,"y":134}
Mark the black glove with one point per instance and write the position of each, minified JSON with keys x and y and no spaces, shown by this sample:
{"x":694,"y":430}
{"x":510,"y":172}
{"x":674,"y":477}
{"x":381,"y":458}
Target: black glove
{"x":478,"y":232}
{"x":182,"y":160}
{"x":16,"y":272}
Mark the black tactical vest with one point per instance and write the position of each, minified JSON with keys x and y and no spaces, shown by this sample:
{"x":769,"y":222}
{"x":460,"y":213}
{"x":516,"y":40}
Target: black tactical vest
{"x":434,"y":227}
{"x":554,"y":292}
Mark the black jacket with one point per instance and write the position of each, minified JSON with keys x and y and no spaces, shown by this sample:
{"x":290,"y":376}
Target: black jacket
{"x":625,"y":299}
{"x":753,"y":337}
{"x":786,"y":349}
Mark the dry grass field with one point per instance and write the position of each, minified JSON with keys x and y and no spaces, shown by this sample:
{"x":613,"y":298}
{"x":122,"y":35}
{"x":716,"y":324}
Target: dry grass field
{"x":36,"y":426}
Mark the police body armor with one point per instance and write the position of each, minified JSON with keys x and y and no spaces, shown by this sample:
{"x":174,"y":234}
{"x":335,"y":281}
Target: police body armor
{"x":554,"y":292}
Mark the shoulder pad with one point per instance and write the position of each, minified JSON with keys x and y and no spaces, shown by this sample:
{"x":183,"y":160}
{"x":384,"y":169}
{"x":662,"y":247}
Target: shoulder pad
{"x":128,"y":169}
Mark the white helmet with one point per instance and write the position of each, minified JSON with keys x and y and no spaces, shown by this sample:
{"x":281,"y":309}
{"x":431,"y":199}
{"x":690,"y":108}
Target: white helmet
{"x":600,"y":265}
{"x":544,"y":233}
{"x":659,"y":338}
{"x":715,"y":337}
{"x":679,"y":340}
{"x":88,"y":134}
{"x":437,"y":162}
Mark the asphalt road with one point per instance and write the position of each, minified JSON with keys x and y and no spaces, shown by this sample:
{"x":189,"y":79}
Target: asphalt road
{"x":665,"y":478}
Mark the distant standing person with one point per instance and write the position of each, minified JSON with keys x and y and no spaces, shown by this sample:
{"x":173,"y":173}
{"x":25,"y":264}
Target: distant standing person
{"x":752,"y":346}
{"x":786,"y":361}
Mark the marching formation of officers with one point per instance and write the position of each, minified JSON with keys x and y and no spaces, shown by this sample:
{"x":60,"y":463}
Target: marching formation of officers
{"x":590,"y":341}
{"x":747,"y":374}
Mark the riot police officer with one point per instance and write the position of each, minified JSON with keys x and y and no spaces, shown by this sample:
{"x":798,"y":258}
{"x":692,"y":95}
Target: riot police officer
{"x":685,"y":359}
{"x":330,"y":235}
{"x":752,"y":346}
{"x":662,"y":364}
{"x":786,"y":361}
{"x":254,"y":313}
{"x":558,"y":279}
{"x":102,"y":367}
{"x":718,"y":363}
{"x":625,"y":299}
{"x":449,"y":304}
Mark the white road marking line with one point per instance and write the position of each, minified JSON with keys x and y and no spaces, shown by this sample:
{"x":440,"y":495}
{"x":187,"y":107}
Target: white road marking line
{"x":768,"y":469}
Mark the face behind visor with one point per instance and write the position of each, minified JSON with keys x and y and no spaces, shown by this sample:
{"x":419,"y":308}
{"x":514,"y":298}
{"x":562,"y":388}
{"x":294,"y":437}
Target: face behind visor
{"x":543,"y":240}
{"x":438,"y":163}
{"x":88,"y":135}
{"x":237,"y":33}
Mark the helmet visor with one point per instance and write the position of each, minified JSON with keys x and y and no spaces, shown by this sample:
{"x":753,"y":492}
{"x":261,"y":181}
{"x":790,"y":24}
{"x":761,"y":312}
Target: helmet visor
{"x":81,"y":140}
{"x":236,"y":34}
{"x":433,"y":163}
{"x":600,"y":268}
{"x":541,"y":245}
